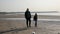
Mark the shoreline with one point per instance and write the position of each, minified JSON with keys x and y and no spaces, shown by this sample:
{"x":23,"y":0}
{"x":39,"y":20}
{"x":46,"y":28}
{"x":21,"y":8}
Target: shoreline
{"x":17,"y":19}
{"x":22,"y":16}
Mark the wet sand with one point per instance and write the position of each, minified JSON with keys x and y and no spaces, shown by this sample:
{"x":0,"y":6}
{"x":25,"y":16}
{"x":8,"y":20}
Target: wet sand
{"x":19,"y":26}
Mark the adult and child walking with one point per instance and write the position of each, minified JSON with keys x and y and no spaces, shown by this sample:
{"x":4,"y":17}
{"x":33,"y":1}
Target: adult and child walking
{"x":28,"y":18}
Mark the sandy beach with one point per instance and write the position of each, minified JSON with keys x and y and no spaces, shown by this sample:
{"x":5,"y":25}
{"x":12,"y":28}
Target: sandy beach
{"x":19,"y":26}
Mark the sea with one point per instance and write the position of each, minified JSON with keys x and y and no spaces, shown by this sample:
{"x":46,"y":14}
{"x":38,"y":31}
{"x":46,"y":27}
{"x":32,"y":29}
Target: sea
{"x":51,"y":13}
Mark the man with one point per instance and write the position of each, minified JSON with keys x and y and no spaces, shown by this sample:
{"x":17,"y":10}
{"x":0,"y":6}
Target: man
{"x":28,"y":18}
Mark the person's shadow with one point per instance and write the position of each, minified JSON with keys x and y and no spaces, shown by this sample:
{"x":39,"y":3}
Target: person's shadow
{"x":15,"y":30}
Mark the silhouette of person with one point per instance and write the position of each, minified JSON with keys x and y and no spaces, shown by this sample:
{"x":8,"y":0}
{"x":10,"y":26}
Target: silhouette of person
{"x":35,"y":19}
{"x":28,"y":18}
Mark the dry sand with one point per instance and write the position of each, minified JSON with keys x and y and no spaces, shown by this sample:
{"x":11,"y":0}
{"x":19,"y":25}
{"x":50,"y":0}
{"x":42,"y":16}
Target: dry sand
{"x":19,"y":26}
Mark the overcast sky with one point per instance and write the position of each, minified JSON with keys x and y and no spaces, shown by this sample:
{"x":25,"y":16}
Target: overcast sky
{"x":33,"y":5}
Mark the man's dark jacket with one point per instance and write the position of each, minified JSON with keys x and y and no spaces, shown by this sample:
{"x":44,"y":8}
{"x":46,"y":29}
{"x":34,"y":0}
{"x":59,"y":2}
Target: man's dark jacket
{"x":27,"y":15}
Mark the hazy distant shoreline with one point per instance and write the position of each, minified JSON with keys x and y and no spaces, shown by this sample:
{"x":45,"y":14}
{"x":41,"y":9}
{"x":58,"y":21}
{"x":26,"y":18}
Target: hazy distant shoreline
{"x":31,"y":12}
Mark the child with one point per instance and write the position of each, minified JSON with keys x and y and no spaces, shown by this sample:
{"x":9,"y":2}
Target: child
{"x":35,"y":19}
